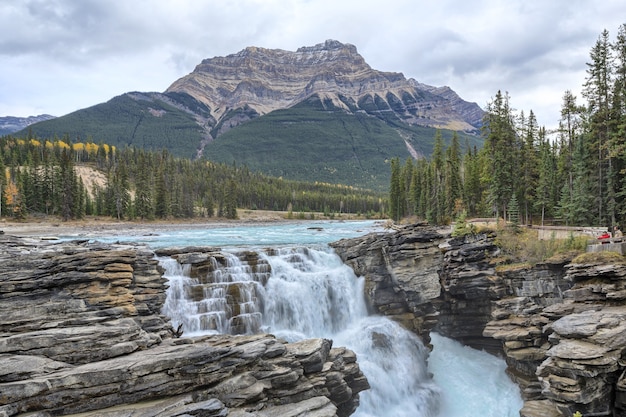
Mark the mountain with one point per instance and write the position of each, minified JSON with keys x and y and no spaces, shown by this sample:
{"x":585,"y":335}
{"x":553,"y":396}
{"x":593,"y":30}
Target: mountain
{"x":152,"y":121}
{"x":265,"y":80}
{"x":10,"y":124}
{"x":319,"y":113}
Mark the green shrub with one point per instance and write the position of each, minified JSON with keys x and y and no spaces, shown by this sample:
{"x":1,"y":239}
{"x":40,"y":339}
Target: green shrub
{"x":462,"y":227}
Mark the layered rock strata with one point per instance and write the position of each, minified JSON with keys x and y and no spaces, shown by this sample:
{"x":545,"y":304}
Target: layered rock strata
{"x":256,"y":81}
{"x":427,"y":281}
{"x":81,"y":332}
{"x":559,"y":325}
{"x":402,"y":274}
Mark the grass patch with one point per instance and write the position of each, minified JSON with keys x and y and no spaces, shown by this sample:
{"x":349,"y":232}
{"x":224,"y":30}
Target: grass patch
{"x":520,"y":266}
{"x":524,"y":246}
{"x":599,"y":258}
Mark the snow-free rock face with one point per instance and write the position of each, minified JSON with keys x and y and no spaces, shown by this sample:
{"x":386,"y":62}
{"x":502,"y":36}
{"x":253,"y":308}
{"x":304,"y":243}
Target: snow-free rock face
{"x":81,"y":332}
{"x":262,"y":80}
{"x":559,"y":325}
{"x":402,"y":274}
{"x":10,"y":124}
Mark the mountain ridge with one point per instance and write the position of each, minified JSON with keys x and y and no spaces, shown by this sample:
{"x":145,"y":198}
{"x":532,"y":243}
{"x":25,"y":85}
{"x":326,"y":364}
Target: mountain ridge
{"x":10,"y":124}
{"x":293,"y":114}
{"x":270,"y":79}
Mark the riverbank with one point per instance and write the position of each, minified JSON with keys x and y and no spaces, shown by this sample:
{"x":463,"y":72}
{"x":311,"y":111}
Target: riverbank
{"x":50,"y":226}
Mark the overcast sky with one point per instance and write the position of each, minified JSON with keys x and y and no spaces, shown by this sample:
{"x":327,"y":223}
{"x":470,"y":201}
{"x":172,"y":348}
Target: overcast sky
{"x":57,"y":56}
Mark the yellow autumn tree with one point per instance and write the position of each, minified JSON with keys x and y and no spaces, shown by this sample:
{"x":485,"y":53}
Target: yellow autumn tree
{"x":61,"y":145}
{"x":92,"y":148}
{"x":12,"y":198}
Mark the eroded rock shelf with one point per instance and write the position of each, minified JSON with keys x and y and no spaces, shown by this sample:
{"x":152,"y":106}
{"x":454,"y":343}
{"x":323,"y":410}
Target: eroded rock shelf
{"x":81,"y":332}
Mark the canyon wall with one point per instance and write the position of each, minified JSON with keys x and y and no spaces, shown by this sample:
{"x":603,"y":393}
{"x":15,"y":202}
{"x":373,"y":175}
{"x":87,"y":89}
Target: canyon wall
{"x":559,"y":325}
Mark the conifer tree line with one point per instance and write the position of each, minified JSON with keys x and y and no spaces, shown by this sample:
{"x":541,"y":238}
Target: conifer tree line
{"x":40,"y":177}
{"x":575,"y":175}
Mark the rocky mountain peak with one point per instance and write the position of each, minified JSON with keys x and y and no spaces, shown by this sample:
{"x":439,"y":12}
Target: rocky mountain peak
{"x":328,"y":45}
{"x":333,"y":50}
{"x":263,"y":80}
{"x":330,"y":53}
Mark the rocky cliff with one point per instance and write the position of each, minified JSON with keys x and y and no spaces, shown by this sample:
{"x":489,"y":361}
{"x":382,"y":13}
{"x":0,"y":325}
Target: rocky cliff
{"x":10,"y":124}
{"x":81,"y":332}
{"x":559,"y":325}
{"x":261,"y":80}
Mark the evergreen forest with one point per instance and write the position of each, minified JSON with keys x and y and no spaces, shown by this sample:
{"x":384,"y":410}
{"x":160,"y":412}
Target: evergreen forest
{"x":574,"y":175}
{"x":40,"y":178}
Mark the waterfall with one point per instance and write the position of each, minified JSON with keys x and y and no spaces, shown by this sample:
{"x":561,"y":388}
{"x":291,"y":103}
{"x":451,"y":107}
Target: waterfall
{"x":298,"y":293}
{"x":222,"y":301}
{"x":308,"y":293}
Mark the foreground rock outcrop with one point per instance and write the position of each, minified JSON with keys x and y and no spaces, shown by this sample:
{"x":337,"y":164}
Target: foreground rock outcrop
{"x":569,"y":351}
{"x":560,"y":325}
{"x":81,"y":332}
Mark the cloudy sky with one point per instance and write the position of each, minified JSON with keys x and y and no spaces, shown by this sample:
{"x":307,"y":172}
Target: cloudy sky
{"x":57,"y":56}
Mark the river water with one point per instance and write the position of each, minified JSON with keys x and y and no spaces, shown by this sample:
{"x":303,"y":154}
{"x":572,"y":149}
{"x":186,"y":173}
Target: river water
{"x":301,"y":289}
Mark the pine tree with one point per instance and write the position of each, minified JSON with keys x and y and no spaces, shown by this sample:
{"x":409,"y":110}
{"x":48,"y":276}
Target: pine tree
{"x":472,"y":190}
{"x":230,"y":200}
{"x":597,"y":90}
{"x":513,"y":212}
{"x":500,"y":150}
{"x":163,"y":207}
{"x":119,"y":192}
{"x":529,"y":166}
{"x":545,"y":192}
{"x":425,"y":189}
{"x":67,"y":185}
{"x":438,"y":201}
{"x":570,"y":127}
{"x":415,"y":190}
{"x":395,"y":193}
{"x":143,"y":203}
{"x":454,"y":187}
{"x":582,"y":198}
{"x":208,"y":204}
{"x":618,"y":137}
{"x":406,"y":174}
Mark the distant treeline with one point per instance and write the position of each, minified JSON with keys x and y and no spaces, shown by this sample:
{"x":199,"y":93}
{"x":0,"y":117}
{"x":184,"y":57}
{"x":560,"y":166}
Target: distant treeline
{"x":574,"y":175}
{"x":40,"y":177}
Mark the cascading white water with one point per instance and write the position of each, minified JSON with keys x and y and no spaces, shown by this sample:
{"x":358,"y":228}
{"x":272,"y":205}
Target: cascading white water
{"x":178,"y":306}
{"x":310,"y":293}
{"x":224,"y":301}
{"x":469,"y":378}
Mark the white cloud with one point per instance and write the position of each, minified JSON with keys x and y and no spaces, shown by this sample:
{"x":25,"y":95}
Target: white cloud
{"x":62,"y":55}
